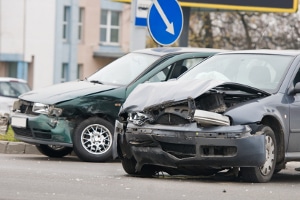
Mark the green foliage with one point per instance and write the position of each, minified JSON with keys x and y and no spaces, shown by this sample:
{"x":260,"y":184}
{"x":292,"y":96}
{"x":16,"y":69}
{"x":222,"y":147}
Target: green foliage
{"x":9,"y":136}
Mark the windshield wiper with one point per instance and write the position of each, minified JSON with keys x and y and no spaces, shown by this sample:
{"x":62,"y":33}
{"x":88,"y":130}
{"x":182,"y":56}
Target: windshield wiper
{"x":96,"y":81}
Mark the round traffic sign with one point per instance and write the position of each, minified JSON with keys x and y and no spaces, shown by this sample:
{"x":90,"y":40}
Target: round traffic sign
{"x":165,"y":21}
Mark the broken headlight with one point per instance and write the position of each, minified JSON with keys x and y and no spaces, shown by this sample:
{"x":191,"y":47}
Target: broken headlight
{"x":46,"y":109}
{"x":138,"y":118}
{"x":40,"y":108}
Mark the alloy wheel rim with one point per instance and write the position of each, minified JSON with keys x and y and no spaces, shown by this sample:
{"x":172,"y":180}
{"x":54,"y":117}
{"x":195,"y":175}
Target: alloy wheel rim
{"x":270,"y":148}
{"x":96,"y":139}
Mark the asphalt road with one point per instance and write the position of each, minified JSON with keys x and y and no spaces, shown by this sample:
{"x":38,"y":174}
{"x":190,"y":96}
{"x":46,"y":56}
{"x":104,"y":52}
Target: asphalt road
{"x":29,"y":176}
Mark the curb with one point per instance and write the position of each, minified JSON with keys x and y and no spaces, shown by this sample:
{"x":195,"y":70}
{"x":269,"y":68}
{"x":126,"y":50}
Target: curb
{"x":7,"y":147}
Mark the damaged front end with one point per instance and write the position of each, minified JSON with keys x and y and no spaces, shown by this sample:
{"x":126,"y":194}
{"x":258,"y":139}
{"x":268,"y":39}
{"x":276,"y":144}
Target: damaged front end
{"x":188,"y":135}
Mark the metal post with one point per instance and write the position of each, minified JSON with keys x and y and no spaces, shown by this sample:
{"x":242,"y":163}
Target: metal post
{"x":184,"y":37}
{"x":137,"y":34}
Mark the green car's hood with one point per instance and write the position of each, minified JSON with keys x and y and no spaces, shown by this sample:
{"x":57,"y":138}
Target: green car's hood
{"x":64,"y":91}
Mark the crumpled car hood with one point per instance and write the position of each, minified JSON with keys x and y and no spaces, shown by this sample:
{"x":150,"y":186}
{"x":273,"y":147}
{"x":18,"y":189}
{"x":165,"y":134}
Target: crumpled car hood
{"x":64,"y":91}
{"x":152,"y":94}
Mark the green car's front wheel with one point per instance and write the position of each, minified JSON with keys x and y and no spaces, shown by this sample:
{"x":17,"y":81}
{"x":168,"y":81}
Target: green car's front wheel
{"x":92,"y":140}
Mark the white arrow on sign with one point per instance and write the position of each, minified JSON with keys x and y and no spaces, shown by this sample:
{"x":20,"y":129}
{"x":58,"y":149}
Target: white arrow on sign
{"x":170,"y":27}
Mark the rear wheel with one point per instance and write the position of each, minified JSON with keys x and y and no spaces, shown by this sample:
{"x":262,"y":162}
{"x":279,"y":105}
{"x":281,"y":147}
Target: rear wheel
{"x":265,"y":172}
{"x":54,"y":151}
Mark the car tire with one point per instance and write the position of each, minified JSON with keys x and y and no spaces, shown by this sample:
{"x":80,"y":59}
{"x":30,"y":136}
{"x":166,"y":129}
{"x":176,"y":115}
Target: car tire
{"x":148,"y":171}
{"x":276,"y":171}
{"x":129,"y":165}
{"x":265,"y":172}
{"x":92,"y":140}
{"x":54,"y":151}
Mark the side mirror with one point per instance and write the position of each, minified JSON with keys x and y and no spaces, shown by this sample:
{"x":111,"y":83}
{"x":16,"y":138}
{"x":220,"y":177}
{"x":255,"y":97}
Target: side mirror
{"x":294,"y":89}
{"x":297,"y":88}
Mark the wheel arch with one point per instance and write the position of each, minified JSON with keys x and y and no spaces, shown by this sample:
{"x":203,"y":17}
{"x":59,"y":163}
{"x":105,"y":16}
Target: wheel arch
{"x":83,"y":117}
{"x":276,"y":126}
{"x":108,"y":118}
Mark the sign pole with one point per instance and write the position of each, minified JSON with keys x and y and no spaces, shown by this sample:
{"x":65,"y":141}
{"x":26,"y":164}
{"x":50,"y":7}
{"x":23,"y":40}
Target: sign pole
{"x":184,"y":37}
{"x":137,"y":34}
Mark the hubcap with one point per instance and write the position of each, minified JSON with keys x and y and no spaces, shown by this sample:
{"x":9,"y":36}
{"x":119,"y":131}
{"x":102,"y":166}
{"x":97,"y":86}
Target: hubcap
{"x":96,"y":139}
{"x":270,"y":148}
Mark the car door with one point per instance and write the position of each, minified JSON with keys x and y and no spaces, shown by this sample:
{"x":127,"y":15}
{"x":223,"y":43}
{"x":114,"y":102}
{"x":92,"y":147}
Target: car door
{"x":294,"y":136}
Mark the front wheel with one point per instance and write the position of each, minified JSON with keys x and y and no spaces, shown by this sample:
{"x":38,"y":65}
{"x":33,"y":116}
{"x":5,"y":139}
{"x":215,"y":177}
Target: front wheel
{"x":92,"y":140}
{"x":265,"y":172}
{"x":54,"y":151}
{"x":129,"y":165}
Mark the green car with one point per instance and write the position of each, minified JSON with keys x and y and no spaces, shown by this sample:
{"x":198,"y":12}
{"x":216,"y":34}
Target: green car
{"x":80,"y":115}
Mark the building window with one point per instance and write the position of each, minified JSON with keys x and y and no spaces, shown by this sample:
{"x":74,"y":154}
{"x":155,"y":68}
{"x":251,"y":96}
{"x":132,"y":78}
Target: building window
{"x":109,"y":27}
{"x":80,"y":71}
{"x":64,"y":72}
{"x":66,"y":23}
{"x":80,"y":24}
{"x":12,"y":69}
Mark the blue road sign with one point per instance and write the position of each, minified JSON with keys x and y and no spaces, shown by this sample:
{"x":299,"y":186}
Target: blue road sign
{"x":165,"y":21}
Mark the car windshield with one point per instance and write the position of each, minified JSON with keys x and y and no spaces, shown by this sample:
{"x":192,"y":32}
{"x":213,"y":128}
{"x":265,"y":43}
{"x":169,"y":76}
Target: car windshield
{"x":123,"y":70}
{"x":13,"y":89}
{"x":261,"y":71}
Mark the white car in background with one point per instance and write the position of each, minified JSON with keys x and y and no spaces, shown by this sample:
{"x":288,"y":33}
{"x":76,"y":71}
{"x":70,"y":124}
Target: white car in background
{"x":10,"y":89}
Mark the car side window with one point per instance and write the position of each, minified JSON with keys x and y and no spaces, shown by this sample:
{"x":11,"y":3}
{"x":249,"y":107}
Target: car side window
{"x":175,"y":70}
{"x":161,"y":76}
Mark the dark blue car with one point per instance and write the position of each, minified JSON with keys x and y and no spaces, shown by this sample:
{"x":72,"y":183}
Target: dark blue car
{"x":235,"y":111}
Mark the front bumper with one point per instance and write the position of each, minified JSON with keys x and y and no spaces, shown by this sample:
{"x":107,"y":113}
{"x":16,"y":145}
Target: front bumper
{"x":189,"y":145}
{"x":42,"y":129}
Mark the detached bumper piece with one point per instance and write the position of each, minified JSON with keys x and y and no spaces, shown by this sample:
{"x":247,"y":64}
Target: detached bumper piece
{"x":206,"y":118}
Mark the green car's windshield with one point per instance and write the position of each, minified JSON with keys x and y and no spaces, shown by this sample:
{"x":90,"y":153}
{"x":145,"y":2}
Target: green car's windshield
{"x":123,"y":70}
{"x":261,"y":71}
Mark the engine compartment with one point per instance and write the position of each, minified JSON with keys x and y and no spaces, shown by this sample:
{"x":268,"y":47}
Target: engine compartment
{"x":182,"y":112}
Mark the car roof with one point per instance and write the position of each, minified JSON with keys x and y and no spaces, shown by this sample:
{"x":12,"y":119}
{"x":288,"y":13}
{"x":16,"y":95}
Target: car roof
{"x":288,"y":52}
{"x":161,"y":51}
{"x":10,"y":79}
